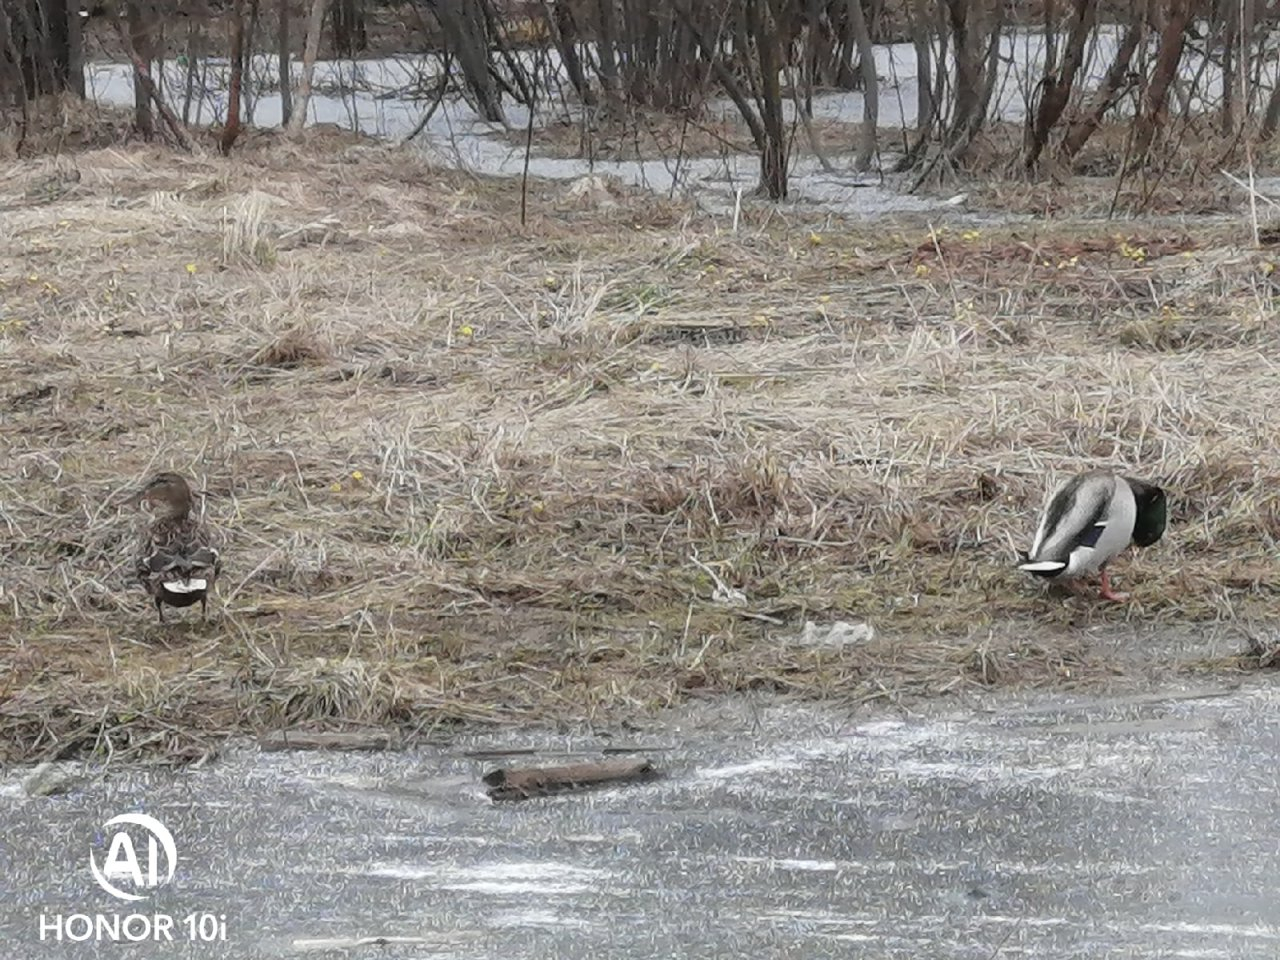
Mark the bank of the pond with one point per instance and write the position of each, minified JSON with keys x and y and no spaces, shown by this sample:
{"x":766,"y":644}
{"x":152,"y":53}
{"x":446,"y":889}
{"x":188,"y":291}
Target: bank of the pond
{"x":582,"y":470}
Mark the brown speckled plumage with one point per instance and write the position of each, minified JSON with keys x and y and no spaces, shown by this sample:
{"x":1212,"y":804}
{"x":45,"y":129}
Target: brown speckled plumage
{"x":175,"y":552}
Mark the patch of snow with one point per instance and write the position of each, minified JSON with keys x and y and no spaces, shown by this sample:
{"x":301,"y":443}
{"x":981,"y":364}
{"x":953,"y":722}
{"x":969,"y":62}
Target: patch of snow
{"x":1255,"y":931}
{"x":838,"y":634}
{"x":538,"y":918}
{"x":503,"y":879}
{"x":818,"y":866}
{"x":748,"y":769}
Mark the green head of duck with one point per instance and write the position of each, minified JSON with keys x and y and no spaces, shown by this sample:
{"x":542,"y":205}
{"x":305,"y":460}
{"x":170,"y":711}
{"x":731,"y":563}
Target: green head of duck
{"x":1152,"y":512}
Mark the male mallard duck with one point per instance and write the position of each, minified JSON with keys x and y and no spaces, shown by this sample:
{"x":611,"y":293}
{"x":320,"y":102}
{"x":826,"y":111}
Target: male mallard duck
{"x":176,"y":561}
{"x":1089,"y":520}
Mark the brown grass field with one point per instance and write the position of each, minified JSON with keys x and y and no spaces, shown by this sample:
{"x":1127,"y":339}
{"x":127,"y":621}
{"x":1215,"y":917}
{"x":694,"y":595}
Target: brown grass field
{"x":473,"y":472}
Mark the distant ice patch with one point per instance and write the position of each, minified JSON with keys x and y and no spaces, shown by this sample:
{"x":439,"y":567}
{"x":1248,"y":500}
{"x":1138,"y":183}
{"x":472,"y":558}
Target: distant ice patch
{"x":505,"y":879}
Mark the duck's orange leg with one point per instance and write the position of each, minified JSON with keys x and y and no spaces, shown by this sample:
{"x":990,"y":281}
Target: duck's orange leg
{"x":1107,"y":593}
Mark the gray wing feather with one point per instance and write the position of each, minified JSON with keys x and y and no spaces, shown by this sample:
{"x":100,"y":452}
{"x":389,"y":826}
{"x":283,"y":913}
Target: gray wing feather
{"x":1073,"y":516}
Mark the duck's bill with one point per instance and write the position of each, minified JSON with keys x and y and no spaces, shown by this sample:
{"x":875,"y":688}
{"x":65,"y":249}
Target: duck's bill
{"x":194,"y":585}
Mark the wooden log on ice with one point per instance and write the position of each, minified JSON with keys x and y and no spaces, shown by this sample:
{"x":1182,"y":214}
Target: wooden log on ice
{"x":508,"y":784}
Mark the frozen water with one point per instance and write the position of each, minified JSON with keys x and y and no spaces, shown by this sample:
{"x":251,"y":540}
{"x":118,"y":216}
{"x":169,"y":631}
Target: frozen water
{"x":1063,"y":826}
{"x":387,"y":98}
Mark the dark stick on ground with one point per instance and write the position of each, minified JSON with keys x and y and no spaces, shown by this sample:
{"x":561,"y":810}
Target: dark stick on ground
{"x":505,"y":784}
{"x":329,"y":740}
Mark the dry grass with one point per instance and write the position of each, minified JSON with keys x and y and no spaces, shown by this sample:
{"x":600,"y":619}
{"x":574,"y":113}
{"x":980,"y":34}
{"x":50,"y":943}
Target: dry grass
{"x":470,"y":472}
{"x":1184,"y":177}
{"x":652,"y":135}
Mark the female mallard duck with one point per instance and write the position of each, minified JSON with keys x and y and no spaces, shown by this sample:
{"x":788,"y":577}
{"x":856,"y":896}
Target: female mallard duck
{"x":176,"y":561}
{"x":1089,"y":520}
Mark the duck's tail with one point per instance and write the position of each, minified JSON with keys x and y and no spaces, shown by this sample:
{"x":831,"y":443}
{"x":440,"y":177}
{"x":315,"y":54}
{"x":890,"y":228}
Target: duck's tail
{"x":1043,"y":568}
{"x":186,"y":585}
{"x":184,"y":570}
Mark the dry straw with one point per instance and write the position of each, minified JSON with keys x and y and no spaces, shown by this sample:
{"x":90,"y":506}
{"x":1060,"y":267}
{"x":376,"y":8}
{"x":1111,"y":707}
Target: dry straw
{"x":590,"y":469}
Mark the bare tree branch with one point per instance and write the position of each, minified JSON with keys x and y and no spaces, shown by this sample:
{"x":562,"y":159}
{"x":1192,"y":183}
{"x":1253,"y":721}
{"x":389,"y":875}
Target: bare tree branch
{"x":315,"y":22}
{"x":142,"y":76}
